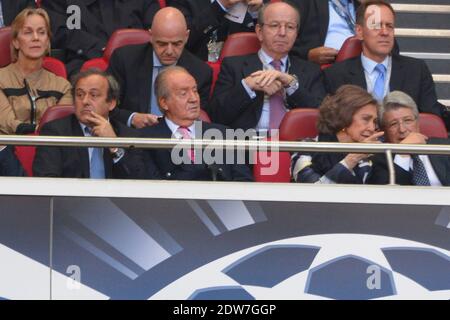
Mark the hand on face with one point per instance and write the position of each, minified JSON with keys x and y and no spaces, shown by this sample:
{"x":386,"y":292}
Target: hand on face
{"x":100,"y":127}
{"x":352,"y":159}
{"x":415,"y":138}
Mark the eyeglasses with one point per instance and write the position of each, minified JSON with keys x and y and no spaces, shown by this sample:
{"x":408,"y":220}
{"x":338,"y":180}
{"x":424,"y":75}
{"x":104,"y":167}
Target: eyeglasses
{"x":406,"y":122}
{"x":276,"y":26}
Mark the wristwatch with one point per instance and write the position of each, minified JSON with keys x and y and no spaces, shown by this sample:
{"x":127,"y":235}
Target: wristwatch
{"x":294,"y":83}
{"x":117,"y":153}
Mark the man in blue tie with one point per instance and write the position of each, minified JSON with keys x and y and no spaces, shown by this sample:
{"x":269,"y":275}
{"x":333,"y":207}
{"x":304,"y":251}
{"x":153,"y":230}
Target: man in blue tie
{"x":379,"y":71}
{"x":95,"y":95}
{"x":400,"y":122}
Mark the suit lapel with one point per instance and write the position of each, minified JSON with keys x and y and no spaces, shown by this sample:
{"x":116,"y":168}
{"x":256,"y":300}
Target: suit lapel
{"x":82,"y":152}
{"x":397,"y":77}
{"x":145,"y":80}
{"x":323,"y":15}
{"x":356,"y":72}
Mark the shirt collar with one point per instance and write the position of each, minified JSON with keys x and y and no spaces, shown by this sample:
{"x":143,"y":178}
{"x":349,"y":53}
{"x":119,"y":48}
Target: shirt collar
{"x":266,"y":59}
{"x":174,"y":127}
{"x":156,"y":62}
{"x":369,"y":65}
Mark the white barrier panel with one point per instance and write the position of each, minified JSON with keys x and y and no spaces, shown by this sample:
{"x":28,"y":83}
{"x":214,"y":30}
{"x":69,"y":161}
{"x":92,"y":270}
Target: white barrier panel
{"x":117,"y":239}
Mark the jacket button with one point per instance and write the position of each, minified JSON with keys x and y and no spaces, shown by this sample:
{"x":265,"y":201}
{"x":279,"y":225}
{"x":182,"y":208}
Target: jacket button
{"x":79,"y":52}
{"x":168,"y":175}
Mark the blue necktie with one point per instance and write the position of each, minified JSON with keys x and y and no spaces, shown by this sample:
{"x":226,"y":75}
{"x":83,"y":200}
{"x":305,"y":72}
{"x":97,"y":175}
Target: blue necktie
{"x":154,"y":109}
{"x":419,"y":174}
{"x":96,"y":164}
{"x":378,"y":89}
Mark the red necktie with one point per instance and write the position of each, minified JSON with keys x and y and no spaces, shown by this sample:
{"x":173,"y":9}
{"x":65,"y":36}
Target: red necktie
{"x":276,"y":102}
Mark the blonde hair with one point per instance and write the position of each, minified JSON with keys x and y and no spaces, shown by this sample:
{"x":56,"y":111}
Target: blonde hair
{"x":18,"y":24}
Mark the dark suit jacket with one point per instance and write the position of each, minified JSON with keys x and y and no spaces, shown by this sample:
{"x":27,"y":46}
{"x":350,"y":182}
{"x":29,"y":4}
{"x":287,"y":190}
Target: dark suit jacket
{"x":99,"y":19}
{"x":232,"y":106}
{"x":203,"y":17}
{"x":73,"y":162}
{"x":160,"y":166}
{"x":9,"y":164}
{"x":132,"y":66}
{"x":11,"y":8}
{"x":440,"y":164}
{"x":409,"y":75}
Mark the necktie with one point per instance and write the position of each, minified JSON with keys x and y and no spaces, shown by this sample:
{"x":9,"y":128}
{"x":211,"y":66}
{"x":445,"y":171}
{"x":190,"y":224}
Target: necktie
{"x":154,"y":109}
{"x":342,"y":8}
{"x":276,"y":102}
{"x":185,"y":134}
{"x":96,"y":164}
{"x":2,"y":22}
{"x":378,"y":89}
{"x":419,"y":174}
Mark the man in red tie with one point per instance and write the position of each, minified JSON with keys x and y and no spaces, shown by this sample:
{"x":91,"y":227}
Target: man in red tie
{"x":179,"y":101}
{"x":256,"y":90}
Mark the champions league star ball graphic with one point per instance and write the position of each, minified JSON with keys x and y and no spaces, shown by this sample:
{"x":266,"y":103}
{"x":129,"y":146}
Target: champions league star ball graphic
{"x":332,"y":266}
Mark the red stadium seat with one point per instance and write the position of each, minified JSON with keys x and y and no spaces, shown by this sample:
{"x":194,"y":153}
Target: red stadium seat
{"x":350,"y":48}
{"x":55,"y":112}
{"x":50,"y":64}
{"x":432,"y":126}
{"x":25,"y":154}
{"x":119,"y":38}
{"x":297,"y":124}
{"x":162,"y":3}
{"x":240,"y":43}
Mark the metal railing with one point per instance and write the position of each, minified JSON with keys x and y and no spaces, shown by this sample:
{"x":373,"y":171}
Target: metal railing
{"x":251,"y":145}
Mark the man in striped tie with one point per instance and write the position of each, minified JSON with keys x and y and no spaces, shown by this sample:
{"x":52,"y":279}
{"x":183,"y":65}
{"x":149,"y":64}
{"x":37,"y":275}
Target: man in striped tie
{"x":400,"y":122}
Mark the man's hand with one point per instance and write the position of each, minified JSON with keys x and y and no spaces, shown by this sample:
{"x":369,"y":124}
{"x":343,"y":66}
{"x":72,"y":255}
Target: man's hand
{"x":266,"y":81}
{"x":266,"y":77}
{"x":100,"y":127}
{"x":322,"y":55}
{"x":352,"y":159}
{"x":415,"y":138}
{"x":142,"y":120}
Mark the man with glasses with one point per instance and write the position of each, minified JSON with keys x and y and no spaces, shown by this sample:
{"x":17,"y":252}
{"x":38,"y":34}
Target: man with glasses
{"x":255,"y":91}
{"x":377,"y":70}
{"x":399,"y":121}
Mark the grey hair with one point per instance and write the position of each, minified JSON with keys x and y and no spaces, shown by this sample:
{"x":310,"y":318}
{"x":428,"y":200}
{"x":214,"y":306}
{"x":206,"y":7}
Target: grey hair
{"x":262,"y":10}
{"x":161,"y":89}
{"x":395,"y":100}
{"x":113,"y":86}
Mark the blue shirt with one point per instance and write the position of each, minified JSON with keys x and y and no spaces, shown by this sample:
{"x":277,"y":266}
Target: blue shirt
{"x":371,"y":74}
{"x":338,"y":29}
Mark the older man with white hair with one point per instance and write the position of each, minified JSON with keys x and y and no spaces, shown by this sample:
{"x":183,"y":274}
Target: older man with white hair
{"x":400,"y":122}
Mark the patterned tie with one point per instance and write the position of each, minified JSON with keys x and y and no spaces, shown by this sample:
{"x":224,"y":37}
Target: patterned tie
{"x":378,"y":89}
{"x":186,"y":135}
{"x":419,"y":174}
{"x":96,"y":164}
{"x":342,"y":8}
{"x":276,"y":102}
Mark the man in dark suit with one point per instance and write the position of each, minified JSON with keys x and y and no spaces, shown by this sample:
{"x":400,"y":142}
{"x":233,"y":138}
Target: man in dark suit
{"x":11,"y":8}
{"x":376,"y":69}
{"x":98,"y":20}
{"x":325,"y":24}
{"x":136,"y":67}
{"x":256,"y":90}
{"x":400,"y":123}
{"x":95,"y":94}
{"x":178,"y":98}
{"x":9,"y":164}
{"x":207,"y":22}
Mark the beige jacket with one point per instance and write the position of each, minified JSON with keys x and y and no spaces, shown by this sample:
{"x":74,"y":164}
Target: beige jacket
{"x":15,"y":105}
